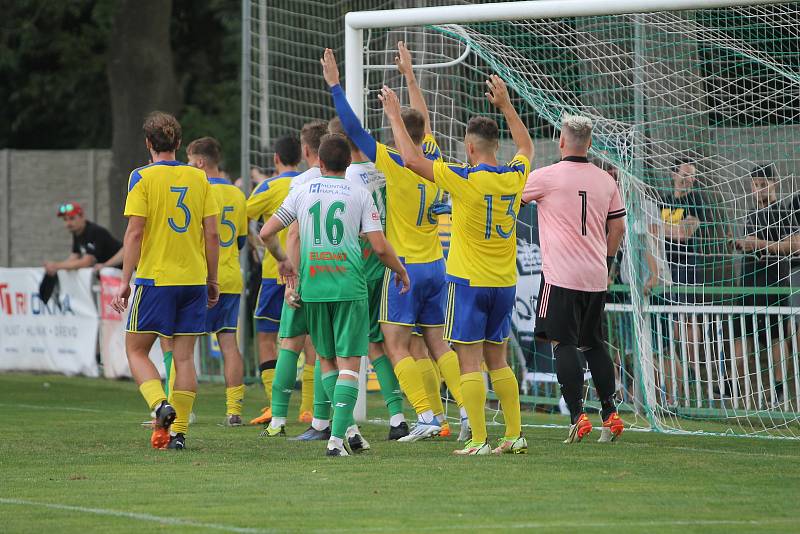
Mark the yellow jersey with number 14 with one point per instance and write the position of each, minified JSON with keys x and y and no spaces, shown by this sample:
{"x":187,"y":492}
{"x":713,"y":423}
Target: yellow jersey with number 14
{"x":174,"y":198}
{"x":232,"y":228}
{"x":264,"y":201}
{"x":411,"y":227}
{"x":486,"y":199}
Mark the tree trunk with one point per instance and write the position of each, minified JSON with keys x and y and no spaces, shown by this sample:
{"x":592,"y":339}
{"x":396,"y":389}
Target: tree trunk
{"x":142,"y":78}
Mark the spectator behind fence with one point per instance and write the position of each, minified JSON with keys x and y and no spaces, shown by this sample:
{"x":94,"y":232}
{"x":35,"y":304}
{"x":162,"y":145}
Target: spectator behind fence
{"x":768,"y":224}
{"x":683,"y":212}
{"x":92,"y":245}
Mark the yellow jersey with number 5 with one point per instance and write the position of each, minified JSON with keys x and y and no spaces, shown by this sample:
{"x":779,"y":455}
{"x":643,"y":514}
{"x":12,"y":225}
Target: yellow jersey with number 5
{"x":232,"y":227}
{"x":174,"y":198}
{"x":486,"y":199}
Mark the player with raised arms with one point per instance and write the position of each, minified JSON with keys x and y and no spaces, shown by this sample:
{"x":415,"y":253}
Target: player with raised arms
{"x":412,"y":228}
{"x":481,"y":266}
{"x":332,"y":213}
{"x":223,"y":319}
{"x":581,"y":225}
{"x":173,"y":244}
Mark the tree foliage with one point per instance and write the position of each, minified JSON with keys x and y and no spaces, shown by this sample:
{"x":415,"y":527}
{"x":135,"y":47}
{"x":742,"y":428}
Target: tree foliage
{"x":53,"y":63}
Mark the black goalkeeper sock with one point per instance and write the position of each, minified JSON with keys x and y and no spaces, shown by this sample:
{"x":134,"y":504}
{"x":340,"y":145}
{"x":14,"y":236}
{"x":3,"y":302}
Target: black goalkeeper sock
{"x":570,"y":377}
{"x":602,"y":369}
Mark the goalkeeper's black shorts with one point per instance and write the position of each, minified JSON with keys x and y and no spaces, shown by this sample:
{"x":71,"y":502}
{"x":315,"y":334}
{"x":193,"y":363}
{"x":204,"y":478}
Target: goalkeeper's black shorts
{"x":570,"y":316}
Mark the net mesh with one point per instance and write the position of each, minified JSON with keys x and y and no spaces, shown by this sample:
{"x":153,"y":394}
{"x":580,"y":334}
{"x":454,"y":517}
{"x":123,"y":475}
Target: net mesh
{"x":696,"y":113}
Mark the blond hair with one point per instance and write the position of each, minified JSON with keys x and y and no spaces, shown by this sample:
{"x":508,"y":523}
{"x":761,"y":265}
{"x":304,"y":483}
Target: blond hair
{"x":577,"y":128}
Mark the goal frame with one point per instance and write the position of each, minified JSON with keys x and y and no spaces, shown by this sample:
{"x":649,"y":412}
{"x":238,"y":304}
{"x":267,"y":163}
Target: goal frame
{"x":358,"y":21}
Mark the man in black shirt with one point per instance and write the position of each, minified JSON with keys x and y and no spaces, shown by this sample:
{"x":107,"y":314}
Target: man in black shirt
{"x":92,"y":245}
{"x":683,"y":211}
{"x":764,"y":266}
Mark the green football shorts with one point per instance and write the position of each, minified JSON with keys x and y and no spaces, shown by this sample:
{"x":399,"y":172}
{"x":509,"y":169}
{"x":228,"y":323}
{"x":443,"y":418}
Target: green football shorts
{"x":338,"y":328}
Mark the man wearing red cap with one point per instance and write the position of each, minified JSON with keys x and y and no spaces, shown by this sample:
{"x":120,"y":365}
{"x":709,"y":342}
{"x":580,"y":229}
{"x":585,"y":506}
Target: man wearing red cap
{"x":92,"y":245}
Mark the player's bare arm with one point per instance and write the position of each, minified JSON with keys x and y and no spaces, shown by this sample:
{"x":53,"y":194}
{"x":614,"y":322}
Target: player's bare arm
{"x":497,"y":93}
{"x":269,"y":235}
{"x":132,"y":247}
{"x":293,"y":251}
{"x":412,"y":155}
{"x":406,"y":68}
{"x":211,"y":240}
{"x":616,"y":231}
{"x":385,"y":252}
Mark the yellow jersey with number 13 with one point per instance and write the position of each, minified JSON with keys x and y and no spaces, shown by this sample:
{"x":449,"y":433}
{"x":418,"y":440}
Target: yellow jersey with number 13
{"x":486,"y":199}
{"x":174,"y":198}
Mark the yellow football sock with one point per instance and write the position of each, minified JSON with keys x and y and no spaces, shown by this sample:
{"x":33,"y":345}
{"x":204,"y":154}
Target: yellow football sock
{"x":267,"y":375}
{"x":307,"y":393}
{"x":183,"y":402}
{"x":233,"y":400}
{"x":506,"y":388}
{"x":153,"y":392}
{"x":451,"y":372}
{"x":172,"y":375}
{"x":412,"y":385}
{"x":431,"y":383}
{"x":474,"y":392}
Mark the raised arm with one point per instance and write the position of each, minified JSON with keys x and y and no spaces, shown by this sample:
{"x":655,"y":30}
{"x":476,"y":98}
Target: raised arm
{"x":352,"y":126}
{"x":497,"y":94}
{"x":412,"y":155}
{"x":404,"y":65}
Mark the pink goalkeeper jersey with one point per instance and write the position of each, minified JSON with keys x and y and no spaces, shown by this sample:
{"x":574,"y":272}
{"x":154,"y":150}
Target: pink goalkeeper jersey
{"x":574,"y":200}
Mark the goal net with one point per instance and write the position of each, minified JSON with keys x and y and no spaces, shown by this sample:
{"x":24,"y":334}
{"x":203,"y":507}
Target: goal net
{"x":697,"y":115}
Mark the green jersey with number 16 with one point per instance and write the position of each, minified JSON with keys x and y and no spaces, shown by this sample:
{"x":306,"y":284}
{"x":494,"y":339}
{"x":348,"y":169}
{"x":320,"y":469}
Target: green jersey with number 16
{"x":331,"y":212}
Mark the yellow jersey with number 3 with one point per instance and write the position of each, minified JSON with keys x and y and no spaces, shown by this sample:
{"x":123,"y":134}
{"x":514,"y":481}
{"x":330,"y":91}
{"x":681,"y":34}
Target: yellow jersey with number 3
{"x":173,"y":198}
{"x":483,"y":241}
{"x":232,"y":228}
{"x":411,"y":227}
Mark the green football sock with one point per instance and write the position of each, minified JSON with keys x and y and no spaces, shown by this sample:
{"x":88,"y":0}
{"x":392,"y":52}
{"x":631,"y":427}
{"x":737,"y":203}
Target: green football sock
{"x":283,"y":383}
{"x":329,"y":383}
{"x":390,"y":386}
{"x":344,"y":398}
{"x":168,"y":367}
{"x":322,"y":405}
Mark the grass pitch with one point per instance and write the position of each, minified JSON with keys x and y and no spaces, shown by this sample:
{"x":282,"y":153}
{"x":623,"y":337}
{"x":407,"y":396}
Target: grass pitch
{"x":74,"y":458}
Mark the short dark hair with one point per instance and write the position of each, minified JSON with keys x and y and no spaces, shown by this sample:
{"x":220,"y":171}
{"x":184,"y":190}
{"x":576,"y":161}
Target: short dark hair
{"x":163,"y":131}
{"x":680,"y":161}
{"x":287,"y":147}
{"x":206,"y":147}
{"x":766,"y":171}
{"x":334,"y":152}
{"x":415,"y":124}
{"x":312,"y":133}
{"x":486,"y":130}
{"x":335,"y":127}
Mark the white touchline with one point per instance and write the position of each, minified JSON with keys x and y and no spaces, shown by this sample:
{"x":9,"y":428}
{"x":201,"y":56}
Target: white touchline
{"x":133,"y":515}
